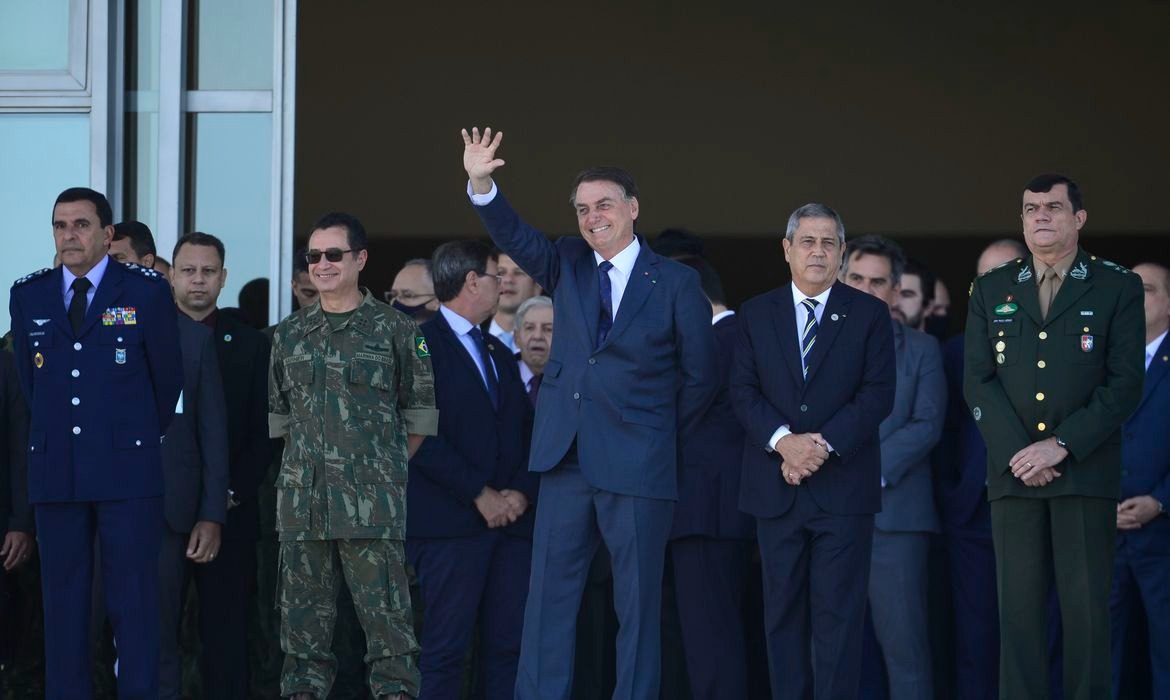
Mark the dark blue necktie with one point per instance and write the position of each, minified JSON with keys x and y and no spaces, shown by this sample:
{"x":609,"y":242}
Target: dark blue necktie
{"x":605,"y":322}
{"x":489,"y":372}
{"x":809,"y":336}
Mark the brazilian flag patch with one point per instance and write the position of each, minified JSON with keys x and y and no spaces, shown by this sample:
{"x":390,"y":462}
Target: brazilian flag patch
{"x":420,"y":346}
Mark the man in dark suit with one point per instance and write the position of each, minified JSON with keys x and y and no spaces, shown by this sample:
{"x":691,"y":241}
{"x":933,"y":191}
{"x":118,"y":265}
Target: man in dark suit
{"x":534,"y":334}
{"x":960,"y":484}
{"x":710,"y":540}
{"x":194,"y":462}
{"x":814,"y":377}
{"x":470,"y":497}
{"x":901,"y":541}
{"x":632,"y":367}
{"x":1053,"y":368}
{"x":1141,"y":569}
{"x":16,"y":518}
{"x":226,"y":583}
{"x":91,"y":335}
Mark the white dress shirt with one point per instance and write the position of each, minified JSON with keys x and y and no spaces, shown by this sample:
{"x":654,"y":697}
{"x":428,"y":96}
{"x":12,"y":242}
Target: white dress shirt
{"x":508,"y":338}
{"x":94,"y":276}
{"x":1152,"y":349}
{"x":462,"y":328}
{"x":801,"y":318}
{"x":721,"y":315}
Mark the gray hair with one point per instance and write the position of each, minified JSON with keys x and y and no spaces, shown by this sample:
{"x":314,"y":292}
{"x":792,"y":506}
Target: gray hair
{"x":814,"y":210}
{"x":881,"y":247}
{"x":529,"y":304}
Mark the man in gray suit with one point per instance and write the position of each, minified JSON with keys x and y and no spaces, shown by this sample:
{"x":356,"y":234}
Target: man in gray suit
{"x":194,"y":464}
{"x":897,"y":579}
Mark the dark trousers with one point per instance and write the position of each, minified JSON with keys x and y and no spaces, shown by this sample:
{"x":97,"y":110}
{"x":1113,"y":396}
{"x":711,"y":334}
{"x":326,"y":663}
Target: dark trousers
{"x":709,"y":584}
{"x":463,"y":580}
{"x":571,"y":518}
{"x":129,"y":532}
{"x":224,"y":587}
{"x":1141,"y":580}
{"x":816,"y":577}
{"x":975,"y":612}
{"x":1071,"y":539}
{"x":897,"y":600}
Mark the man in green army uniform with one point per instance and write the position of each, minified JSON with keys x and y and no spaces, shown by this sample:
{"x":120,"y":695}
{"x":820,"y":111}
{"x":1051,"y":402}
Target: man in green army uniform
{"x":1054,"y":366}
{"x":351,"y":390}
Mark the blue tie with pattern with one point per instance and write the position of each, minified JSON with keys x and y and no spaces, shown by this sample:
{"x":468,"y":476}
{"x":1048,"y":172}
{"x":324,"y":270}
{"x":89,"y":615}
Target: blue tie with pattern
{"x":489,"y":372}
{"x":605,"y":322}
{"x":809,"y":335}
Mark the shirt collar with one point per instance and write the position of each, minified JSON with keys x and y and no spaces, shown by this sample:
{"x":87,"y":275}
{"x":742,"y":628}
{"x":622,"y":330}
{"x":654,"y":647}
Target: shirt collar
{"x":799,"y":296}
{"x":1062,"y":266}
{"x":496,"y":329}
{"x":460,"y":325}
{"x":721,"y":315}
{"x":623,"y":261}
{"x":95,"y":274}
{"x":1152,"y":347}
{"x":526,"y":372}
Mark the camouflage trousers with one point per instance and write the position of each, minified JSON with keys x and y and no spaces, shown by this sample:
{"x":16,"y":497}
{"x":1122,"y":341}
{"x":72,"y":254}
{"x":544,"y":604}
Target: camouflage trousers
{"x":310,"y":578}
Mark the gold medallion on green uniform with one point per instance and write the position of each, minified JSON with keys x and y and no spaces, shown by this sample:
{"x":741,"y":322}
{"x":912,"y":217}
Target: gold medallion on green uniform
{"x":420,"y":346}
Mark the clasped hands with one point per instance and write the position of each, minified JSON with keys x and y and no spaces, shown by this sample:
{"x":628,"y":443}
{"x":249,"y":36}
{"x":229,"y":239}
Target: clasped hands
{"x":1035,"y":465}
{"x":801,"y":455}
{"x":500,"y":508}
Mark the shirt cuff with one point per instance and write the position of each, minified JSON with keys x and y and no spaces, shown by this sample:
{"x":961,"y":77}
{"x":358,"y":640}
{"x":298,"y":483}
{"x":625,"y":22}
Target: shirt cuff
{"x":782,"y":431}
{"x":421,"y":421}
{"x":481,"y":200}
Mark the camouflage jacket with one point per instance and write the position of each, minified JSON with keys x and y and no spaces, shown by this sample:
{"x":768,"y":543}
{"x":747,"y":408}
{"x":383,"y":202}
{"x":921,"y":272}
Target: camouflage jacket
{"x":344,"y":400}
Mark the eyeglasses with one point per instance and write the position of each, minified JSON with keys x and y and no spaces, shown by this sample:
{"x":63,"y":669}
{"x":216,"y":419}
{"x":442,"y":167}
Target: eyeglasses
{"x":407,"y":297}
{"x":331,"y":254}
{"x":499,"y":277}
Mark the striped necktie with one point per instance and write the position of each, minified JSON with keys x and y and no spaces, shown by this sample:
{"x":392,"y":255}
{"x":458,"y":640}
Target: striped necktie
{"x":809,"y":335}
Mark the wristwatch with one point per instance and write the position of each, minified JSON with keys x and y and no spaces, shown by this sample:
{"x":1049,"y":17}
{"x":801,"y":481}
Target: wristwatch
{"x":1060,"y":442}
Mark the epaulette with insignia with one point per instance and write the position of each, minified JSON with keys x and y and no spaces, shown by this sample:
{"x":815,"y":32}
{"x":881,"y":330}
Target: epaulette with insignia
{"x":31,"y":277}
{"x":144,"y":271}
{"x":1112,"y":265}
{"x":1016,"y":261}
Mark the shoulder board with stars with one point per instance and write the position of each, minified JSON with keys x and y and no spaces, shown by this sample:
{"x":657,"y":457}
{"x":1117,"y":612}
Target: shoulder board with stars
{"x":1111,"y":265}
{"x":1015,"y":261}
{"x":144,"y":271}
{"x":32,"y":276}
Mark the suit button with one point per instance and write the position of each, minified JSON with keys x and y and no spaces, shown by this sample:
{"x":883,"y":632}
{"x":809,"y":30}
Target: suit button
{"x":77,"y":346}
{"x":803,"y":408}
{"x":1041,"y":427}
{"x":1041,"y":364}
{"x":138,"y":443}
{"x":76,"y":373}
{"x":576,"y":395}
{"x":592,"y":360}
{"x":36,"y":343}
{"x":1043,"y":335}
{"x":1040,"y":396}
{"x":76,"y":401}
{"x":77,"y":430}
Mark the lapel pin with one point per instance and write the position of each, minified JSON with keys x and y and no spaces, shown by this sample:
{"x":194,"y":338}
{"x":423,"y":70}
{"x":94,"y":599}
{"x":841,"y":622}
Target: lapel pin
{"x":227,"y":338}
{"x":835,"y":317}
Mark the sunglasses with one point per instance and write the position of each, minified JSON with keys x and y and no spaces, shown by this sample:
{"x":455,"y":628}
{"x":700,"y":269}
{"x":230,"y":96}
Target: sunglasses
{"x":331,"y":254}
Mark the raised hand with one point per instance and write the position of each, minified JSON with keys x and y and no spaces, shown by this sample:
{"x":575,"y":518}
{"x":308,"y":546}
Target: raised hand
{"x":479,"y":157}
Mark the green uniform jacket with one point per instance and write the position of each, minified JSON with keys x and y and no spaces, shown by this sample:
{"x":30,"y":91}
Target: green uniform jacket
{"x":1076,"y":375}
{"x":344,"y":400}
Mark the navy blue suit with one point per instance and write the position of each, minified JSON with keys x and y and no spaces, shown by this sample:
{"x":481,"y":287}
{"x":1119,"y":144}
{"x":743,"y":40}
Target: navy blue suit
{"x":100,"y":402}
{"x":1142,"y":562}
{"x":711,"y":541}
{"x":960,"y":486}
{"x":607,"y":424}
{"x":815,"y":538}
{"x":466,"y":571}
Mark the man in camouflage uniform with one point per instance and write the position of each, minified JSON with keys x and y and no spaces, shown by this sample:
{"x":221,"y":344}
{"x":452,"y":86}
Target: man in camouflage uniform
{"x":351,"y":390}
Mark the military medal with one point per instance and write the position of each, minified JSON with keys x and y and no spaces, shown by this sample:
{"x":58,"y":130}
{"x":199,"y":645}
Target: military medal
{"x":120,"y":356}
{"x":39,"y":360}
{"x":1000,"y":358}
{"x":1086,"y":343}
{"x":1000,"y":346}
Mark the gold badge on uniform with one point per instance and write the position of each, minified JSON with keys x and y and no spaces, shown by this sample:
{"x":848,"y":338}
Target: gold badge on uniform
{"x":120,"y":356}
{"x":39,"y":360}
